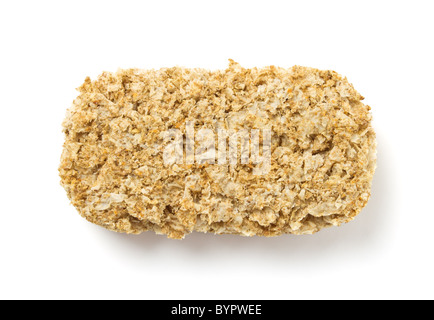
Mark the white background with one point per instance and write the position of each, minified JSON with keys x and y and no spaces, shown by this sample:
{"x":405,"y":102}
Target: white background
{"x":47,"y":48}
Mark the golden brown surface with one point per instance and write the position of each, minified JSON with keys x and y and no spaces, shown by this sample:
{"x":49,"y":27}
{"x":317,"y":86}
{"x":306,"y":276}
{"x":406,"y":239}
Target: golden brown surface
{"x":322,"y":151}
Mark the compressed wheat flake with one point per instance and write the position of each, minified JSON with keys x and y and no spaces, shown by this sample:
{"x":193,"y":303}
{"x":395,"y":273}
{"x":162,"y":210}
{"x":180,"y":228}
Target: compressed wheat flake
{"x":116,"y":170}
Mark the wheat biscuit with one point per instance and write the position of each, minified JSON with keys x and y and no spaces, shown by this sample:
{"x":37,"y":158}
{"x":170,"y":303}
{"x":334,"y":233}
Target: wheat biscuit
{"x":322,"y":149}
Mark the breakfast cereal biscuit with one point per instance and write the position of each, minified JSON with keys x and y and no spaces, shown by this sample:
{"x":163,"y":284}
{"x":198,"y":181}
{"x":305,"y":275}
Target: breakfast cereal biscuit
{"x":322,"y":151}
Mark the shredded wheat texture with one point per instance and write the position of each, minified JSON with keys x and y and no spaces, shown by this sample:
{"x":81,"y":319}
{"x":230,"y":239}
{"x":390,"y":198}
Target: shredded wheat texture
{"x":322,"y":151}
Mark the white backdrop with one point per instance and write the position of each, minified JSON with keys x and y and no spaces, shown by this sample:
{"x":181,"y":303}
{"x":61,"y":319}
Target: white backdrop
{"x":47,"y":48}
